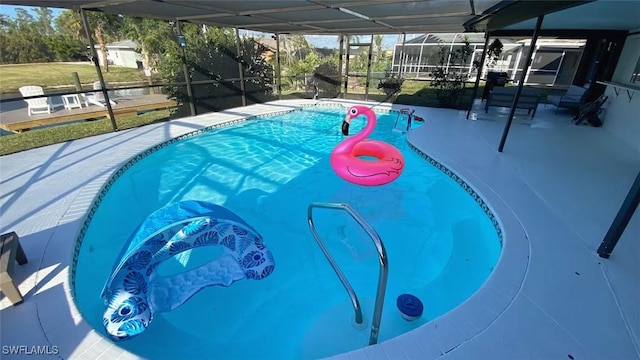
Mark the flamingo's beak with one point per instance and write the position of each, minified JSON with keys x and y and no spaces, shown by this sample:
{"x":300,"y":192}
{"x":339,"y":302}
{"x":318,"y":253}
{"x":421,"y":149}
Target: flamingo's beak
{"x":345,"y":125}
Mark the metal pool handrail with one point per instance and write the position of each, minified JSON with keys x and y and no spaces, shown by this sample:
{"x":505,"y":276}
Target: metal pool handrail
{"x":382,"y":257}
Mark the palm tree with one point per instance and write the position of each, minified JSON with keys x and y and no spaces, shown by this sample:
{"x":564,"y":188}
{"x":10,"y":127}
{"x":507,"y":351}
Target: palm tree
{"x":377,"y":46}
{"x":105,"y":27}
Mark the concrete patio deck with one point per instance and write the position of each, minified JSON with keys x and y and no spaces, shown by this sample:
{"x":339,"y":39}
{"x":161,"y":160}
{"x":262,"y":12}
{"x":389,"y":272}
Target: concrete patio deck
{"x":556,"y":184}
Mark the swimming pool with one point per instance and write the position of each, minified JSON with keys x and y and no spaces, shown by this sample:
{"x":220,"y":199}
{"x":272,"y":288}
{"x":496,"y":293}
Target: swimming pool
{"x":441,"y":244}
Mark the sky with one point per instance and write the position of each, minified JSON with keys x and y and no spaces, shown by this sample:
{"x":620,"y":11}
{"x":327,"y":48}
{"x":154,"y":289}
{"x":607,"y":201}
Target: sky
{"x":10,"y":10}
{"x":315,"y":40}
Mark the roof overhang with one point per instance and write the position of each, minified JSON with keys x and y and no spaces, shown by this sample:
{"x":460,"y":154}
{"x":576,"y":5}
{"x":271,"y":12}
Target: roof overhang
{"x":566,"y":17}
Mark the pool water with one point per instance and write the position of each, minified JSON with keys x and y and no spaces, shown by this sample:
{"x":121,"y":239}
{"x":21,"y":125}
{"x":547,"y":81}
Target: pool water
{"x":440,"y":244}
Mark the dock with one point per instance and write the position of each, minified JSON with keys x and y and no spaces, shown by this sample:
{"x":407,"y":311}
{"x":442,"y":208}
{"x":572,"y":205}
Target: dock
{"x":18,"y":120}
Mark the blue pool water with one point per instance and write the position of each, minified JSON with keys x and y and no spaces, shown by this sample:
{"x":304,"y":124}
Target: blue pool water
{"x":440,"y":244}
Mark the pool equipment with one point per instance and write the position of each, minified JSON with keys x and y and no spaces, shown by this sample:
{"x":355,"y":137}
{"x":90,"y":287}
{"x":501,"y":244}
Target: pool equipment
{"x":135,"y":291}
{"x":410,"y":307}
{"x":389,"y":161}
{"x":402,"y":113}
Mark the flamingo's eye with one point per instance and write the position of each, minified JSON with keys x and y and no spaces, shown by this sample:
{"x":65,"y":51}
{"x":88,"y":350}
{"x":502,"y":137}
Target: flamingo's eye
{"x":353,"y":111}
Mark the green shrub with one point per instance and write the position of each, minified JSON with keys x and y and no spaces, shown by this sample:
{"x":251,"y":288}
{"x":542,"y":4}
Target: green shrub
{"x":449,"y":81}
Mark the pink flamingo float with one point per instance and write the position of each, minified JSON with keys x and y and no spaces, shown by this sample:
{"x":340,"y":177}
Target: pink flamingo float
{"x":345,"y":156}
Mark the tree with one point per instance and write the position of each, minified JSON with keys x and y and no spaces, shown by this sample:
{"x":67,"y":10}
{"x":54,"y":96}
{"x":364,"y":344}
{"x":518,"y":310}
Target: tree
{"x":450,"y":74}
{"x":105,"y":27}
{"x":44,"y":21}
{"x":378,"y":52}
{"x":154,"y":37}
{"x":300,"y":44}
{"x":212,"y":55}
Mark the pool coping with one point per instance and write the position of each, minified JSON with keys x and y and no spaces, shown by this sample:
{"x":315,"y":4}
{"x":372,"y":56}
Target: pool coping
{"x":433,"y":339}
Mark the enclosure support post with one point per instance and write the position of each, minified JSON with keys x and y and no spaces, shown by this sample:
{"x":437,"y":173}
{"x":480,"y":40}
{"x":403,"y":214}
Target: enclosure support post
{"x":621,"y":220}
{"x":341,"y":62}
{"x":240,"y":68}
{"x":187,"y":77}
{"x":96,"y":62}
{"x":346,"y":68}
{"x":516,"y":97}
{"x":278,"y":73}
{"x":366,"y":89}
{"x":487,"y":35}
{"x":404,"y":38}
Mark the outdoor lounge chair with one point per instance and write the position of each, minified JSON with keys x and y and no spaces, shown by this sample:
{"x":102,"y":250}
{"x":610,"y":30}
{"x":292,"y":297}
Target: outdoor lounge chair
{"x":503,"y":97}
{"x":97,"y":97}
{"x":36,"y":105}
{"x":575,"y":97}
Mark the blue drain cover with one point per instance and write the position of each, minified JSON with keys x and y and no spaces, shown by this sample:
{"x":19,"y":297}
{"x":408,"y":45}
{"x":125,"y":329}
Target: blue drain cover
{"x":409,"y":306}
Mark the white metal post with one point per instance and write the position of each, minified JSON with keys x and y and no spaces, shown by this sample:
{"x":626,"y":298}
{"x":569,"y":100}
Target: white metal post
{"x":404,"y":39}
{"x":473,"y":55}
{"x":558,"y":69}
{"x":518,"y":57}
{"x":526,"y":78}
{"x":450,"y":50}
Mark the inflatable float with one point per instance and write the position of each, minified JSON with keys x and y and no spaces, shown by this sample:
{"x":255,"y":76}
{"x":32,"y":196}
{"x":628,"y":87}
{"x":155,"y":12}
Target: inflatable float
{"x":135,"y":291}
{"x":345,"y":159}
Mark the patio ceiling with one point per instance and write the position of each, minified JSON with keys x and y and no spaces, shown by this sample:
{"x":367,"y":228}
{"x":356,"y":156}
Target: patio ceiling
{"x":309,"y":16}
{"x":601,"y":15}
{"x":373,"y":16}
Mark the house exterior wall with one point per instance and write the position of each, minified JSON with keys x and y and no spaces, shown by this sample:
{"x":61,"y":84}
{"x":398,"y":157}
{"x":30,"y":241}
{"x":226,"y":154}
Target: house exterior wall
{"x":120,"y":57}
{"x":125,"y":57}
{"x":621,"y":115}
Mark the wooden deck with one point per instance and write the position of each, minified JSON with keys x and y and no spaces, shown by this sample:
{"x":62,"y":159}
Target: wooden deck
{"x":18,"y":120}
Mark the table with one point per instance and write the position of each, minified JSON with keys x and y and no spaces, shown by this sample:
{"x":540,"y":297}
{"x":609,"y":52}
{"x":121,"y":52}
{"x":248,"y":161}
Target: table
{"x":71,"y":101}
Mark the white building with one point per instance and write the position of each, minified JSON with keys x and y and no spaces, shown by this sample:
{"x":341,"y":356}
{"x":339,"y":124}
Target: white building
{"x":122,"y":53}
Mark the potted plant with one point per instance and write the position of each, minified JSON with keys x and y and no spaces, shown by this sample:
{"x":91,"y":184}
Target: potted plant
{"x":493,"y":53}
{"x":494,"y":77}
{"x":390,"y":84}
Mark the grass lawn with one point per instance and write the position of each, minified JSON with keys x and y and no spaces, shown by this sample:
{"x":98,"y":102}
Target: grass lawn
{"x":56,"y":134}
{"x":59,"y":74}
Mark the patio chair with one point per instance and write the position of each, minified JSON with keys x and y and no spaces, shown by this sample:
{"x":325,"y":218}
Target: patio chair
{"x":97,"y":97}
{"x":36,"y":105}
{"x":573,"y":99}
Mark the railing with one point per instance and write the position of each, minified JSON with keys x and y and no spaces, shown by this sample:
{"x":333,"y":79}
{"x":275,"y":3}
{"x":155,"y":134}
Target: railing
{"x":382,"y":257}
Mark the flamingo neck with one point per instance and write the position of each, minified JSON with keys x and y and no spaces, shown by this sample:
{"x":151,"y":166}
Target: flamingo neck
{"x":351,"y":141}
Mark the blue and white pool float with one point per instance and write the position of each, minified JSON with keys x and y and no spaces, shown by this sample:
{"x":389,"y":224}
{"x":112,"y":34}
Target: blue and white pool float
{"x":135,"y":291}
